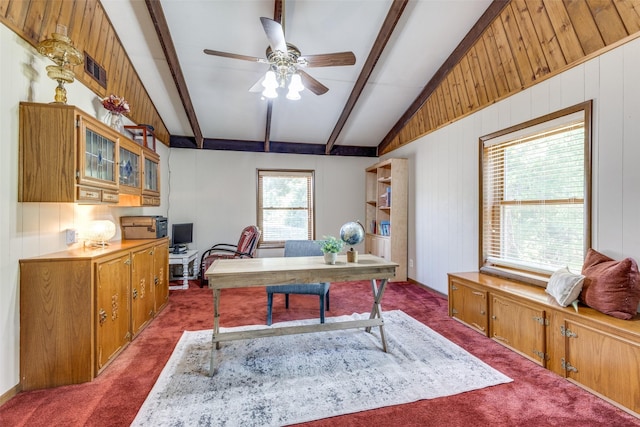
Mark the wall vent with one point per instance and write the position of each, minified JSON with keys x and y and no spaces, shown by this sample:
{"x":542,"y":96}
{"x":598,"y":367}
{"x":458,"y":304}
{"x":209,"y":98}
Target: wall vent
{"x":95,"y":70}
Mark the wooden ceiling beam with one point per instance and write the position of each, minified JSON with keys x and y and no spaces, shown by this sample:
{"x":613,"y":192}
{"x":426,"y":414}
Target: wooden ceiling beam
{"x":469,"y":40}
{"x":162,"y":29}
{"x":393,"y":16}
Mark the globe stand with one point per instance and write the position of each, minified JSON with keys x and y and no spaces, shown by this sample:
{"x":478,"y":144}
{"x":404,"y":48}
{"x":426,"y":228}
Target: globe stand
{"x":352,"y":256}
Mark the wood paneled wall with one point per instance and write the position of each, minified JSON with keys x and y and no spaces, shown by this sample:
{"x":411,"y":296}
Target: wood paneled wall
{"x":529,"y":41}
{"x":90,"y":31}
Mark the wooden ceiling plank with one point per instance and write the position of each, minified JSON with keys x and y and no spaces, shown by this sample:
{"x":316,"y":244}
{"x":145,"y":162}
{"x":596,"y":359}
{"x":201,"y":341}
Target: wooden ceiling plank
{"x":162,"y":30}
{"x":584,"y":25}
{"x":467,"y":42}
{"x":487,"y":77}
{"x":608,"y":20}
{"x":545,"y":32}
{"x":564,"y":30}
{"x":52,"y":18}
{"x":108,"y":49}
{"x":4,"y":6}
{"x":35,"y":18}
{"x":448,"y":100}
{"x":507,"y":57}
{"x":442,"y":105}
{"x":469,"y":83}
{"x":463,"y":91}
{"x":93,"y":38}
{"x":496,"y":63}
{"x":75,"y":27}
{"x":532,"y":45}
{"x":629,"y":11}
{"x":454,"y":93}
{"x":389,"y":24}
{"x":518,"y":48}
{"x":17,"y":13}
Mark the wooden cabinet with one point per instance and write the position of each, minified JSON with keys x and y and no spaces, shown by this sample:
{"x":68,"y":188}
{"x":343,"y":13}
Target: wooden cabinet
{"x":597,"y":352}
{"x":604,"y":362}
{"x":67,"y":155}
{"x":161,"y":276}
{"x":468,"y":304}
{"x":386,"y":212}
{"x":113,"y":308}
{"x":76,"y":308}
{"x":519,"y":326}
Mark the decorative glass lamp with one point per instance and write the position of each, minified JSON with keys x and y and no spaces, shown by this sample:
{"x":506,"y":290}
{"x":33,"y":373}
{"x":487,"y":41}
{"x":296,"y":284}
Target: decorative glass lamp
{"x":61,"y":51}
{"x":100,"y":231}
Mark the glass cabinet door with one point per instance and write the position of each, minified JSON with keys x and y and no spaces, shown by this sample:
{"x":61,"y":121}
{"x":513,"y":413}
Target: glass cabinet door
{"x":129,"y":165}
{"x":98,"y":159}
{"x":151,"y":173}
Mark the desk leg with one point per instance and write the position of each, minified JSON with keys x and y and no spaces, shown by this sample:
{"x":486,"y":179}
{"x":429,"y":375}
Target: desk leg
{"x":376,"y":310}
{"x":216,"y":329}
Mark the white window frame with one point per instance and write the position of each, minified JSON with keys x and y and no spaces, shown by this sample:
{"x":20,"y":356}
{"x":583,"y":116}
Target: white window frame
{"x":529,"y":271}
{"x":310,"y":208}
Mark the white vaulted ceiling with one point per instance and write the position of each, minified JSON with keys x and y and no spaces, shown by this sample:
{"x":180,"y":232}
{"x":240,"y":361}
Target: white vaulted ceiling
{"x":426,"y":33}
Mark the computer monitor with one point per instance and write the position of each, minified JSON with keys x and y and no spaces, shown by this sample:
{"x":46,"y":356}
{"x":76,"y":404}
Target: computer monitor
{"x":181,"y":234}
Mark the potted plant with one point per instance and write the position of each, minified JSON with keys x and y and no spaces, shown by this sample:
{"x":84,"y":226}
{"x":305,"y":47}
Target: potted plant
{"x":330,"y":247}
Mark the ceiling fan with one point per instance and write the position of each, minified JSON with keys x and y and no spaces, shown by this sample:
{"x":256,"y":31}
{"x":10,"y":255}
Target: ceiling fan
{"x":286,"y":62}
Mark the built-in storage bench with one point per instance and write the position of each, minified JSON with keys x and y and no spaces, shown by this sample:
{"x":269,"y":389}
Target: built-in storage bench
{"x":596,"y":351}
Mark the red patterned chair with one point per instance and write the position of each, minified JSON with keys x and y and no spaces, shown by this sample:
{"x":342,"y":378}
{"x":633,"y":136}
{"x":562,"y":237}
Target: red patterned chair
{"x":246,"y":248}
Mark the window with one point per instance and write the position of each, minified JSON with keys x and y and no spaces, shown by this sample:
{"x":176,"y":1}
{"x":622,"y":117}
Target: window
{"x":285,"y":206}
{"x":535,"y":181}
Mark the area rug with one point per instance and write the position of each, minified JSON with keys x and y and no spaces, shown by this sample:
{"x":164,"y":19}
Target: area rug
{"x":290,"y":379}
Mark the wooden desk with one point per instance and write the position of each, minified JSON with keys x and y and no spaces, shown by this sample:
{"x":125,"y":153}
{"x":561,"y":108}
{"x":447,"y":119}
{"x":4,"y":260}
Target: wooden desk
{"x":251,"y":272}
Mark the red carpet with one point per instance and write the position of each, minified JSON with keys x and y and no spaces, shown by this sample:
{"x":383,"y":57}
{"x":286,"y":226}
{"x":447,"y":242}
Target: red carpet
{"x":536,"y":397}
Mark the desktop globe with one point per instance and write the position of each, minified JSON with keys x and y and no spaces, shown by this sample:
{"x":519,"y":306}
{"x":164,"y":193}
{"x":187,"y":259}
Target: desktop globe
{"x":352,"y":233}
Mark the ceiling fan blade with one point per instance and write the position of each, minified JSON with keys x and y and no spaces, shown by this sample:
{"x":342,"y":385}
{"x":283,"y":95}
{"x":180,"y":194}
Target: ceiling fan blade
{"x":312,"y":84}
{"x":275,"y":34}
{"x":235,"y":56}
{"x":328,"y":59}
{"x":257,"y":87}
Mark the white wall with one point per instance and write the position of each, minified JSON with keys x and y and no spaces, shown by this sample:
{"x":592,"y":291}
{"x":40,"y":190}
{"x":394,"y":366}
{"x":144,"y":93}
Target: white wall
{"x":443,"y":166}
{"x":216,"y":190}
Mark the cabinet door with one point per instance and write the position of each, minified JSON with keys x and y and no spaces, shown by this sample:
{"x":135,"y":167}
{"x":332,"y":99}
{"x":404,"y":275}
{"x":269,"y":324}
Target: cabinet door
{"x":129,"y":167}
{"x":468,"y":305}
{"x":521,"y":327}
{"x":142,"y":289}
{"x":161,"y":275}
{"x":112,"y":294}
{"x":151,"y":184}
{"x":97,"y":153}
{"x":604,"y":363}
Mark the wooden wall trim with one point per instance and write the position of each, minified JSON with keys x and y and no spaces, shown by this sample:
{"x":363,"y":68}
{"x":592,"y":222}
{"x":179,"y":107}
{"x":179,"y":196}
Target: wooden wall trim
{"x":528,"y":42}
{"x":91,"y":31}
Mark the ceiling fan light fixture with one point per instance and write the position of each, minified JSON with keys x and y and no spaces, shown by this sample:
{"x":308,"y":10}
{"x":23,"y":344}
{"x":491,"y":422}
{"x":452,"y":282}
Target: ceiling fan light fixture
{"x":293,"y":95}
{"x":296,"y":83}
{"x":270,"y":92}
{"x":270,"y":81}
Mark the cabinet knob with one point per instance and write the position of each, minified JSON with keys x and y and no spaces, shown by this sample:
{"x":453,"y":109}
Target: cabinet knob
{"x":483,"y":312}
{"x":494,"y":317}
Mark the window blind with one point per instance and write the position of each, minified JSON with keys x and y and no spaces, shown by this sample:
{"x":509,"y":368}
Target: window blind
{"x":533,"y":200}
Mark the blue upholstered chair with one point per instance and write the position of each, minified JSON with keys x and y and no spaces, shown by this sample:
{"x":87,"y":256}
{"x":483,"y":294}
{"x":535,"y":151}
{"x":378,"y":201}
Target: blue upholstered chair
{"x":294,"y":248}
